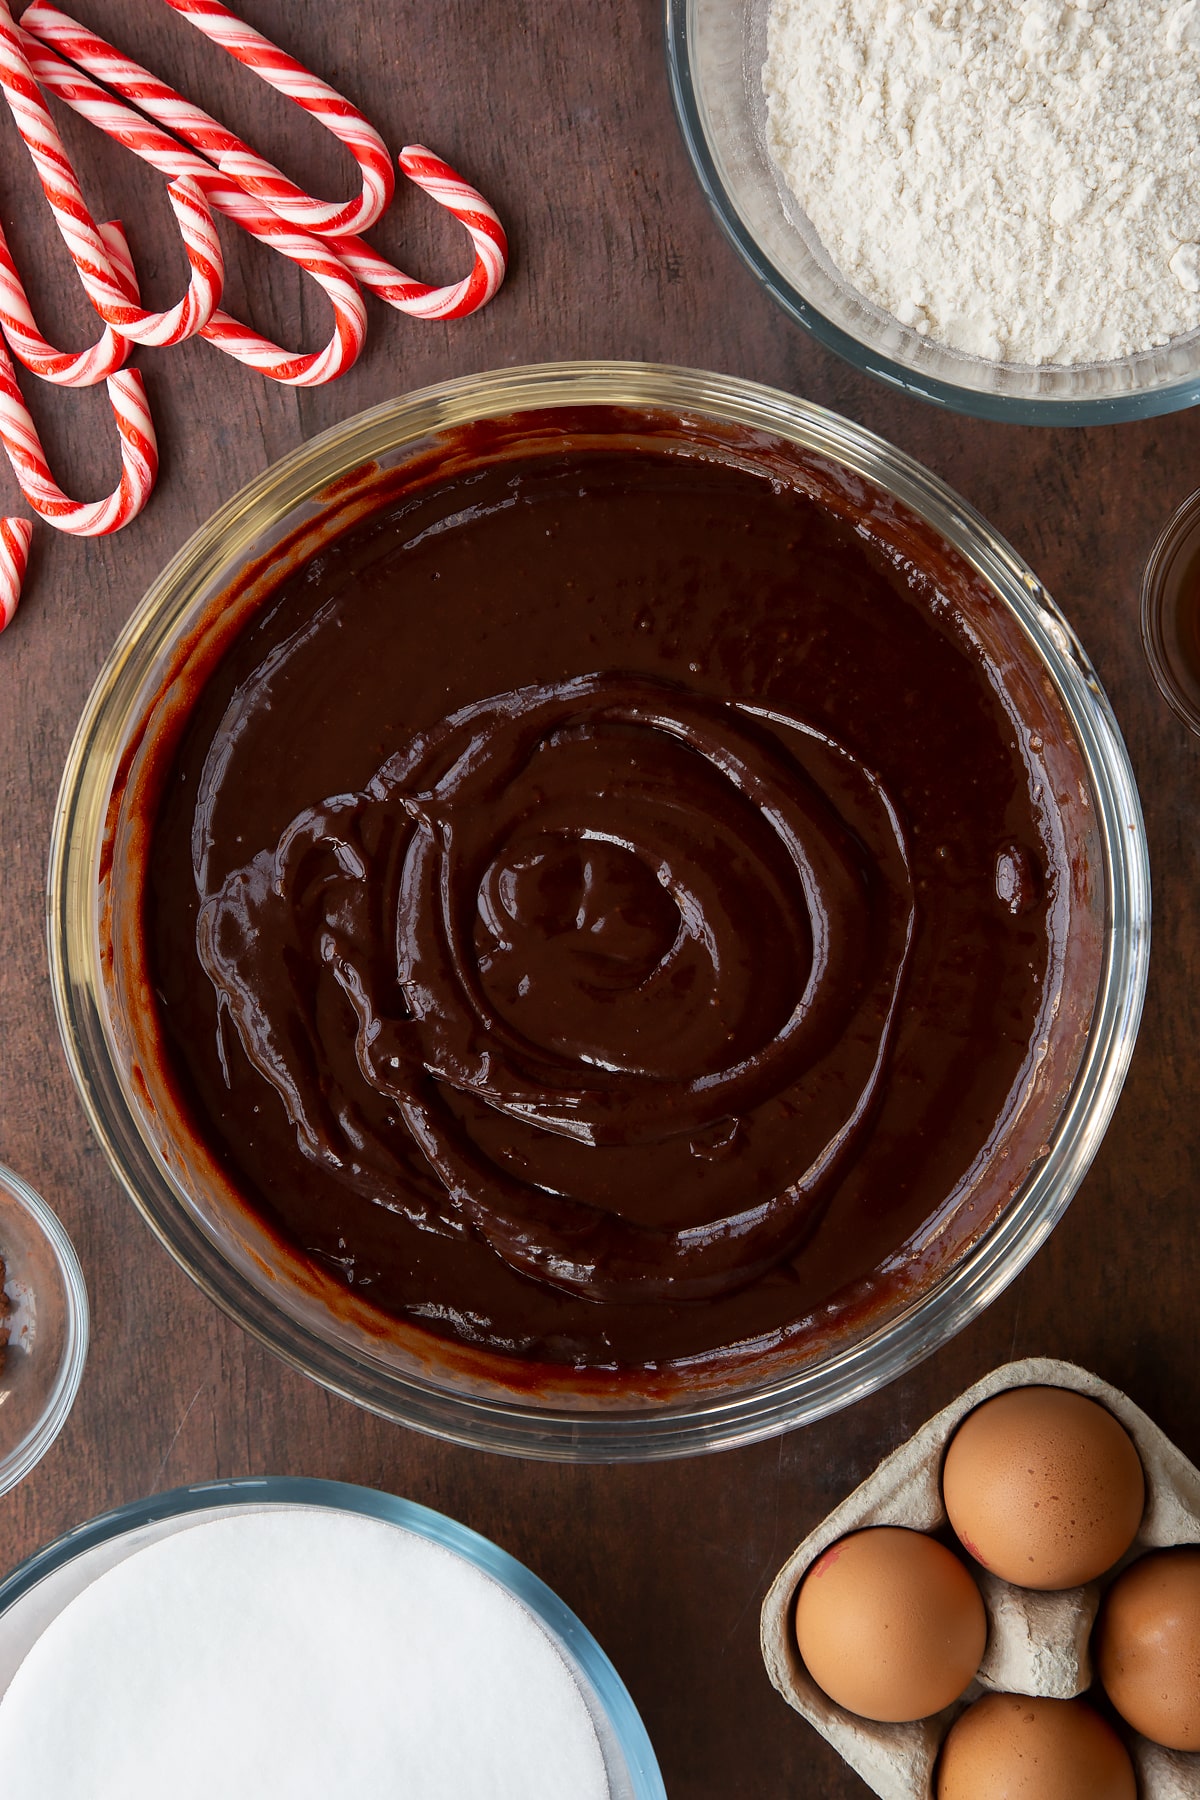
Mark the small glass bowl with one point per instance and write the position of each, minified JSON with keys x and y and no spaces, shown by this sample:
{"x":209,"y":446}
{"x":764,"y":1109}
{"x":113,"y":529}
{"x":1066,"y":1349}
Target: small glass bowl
{"x":715,"y":54}
{"x":41,"y":1587}
{"x":47,"y":1324}
{"x":1170,"y":626}
{"x":404,"y":1374}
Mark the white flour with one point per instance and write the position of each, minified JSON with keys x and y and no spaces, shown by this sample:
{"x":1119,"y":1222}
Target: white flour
{"x":1019,"y":179}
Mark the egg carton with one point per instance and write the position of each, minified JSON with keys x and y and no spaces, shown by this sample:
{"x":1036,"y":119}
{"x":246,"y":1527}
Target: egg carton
{"x":1038,"y":1643}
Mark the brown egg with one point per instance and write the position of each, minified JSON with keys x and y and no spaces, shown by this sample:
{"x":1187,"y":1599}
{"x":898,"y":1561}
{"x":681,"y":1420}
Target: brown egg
{"x":1010,"y":1747}
{"x":1043,"y":1487}
{"x":889,"y":1624}
{"x":1148,"y":1647}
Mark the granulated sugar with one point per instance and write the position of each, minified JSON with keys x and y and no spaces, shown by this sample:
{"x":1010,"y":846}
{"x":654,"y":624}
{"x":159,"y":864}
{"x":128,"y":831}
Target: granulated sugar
{"x":1018,"y":179}
{"x":297,"y":1654}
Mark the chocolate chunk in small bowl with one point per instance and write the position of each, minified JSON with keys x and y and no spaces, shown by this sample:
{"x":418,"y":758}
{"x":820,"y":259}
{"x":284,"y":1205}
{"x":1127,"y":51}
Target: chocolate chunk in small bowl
{"x":43,"y":1328}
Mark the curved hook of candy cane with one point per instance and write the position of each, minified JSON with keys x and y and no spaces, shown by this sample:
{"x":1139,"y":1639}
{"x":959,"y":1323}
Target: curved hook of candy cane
{"x":64,"y":368}
{"x":16,"y":535}
{"x":468,"y":206}
{"x":117,"y":245}
{"x":253,"y":173}
{"x":198,"y":229}
{"x":146,"y":140}
{"x":310,"y":368}
{"x":79,"y":230}
{"x":139,"y":457}
{"x":261,"y":178}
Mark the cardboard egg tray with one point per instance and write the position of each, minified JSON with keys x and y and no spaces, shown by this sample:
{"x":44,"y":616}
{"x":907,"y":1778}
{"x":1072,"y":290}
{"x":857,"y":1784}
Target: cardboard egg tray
{"x":1037,"y":1642}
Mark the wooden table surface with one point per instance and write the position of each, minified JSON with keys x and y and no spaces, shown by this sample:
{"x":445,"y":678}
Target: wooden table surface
{"x":562,"y":117}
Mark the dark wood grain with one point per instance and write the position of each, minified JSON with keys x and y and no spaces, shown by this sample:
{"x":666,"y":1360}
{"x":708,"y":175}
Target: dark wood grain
{"x":561,"y":115}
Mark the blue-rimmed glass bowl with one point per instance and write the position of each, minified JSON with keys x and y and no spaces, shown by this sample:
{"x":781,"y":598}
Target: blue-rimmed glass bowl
{"x":40,"y":1588}
{"x":715,"y":54}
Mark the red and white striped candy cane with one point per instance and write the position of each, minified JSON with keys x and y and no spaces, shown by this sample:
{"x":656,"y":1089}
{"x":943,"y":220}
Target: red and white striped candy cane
{"x":16,"y":535}
{"x":164,"y":153}
{"x":323,"y":103}
{"x":65,"y":368}
{"x":469,"y":207}
{"x":117,"y":245}
{"x":139,"y":457}
{"x":51,"y":27}
{"x":79,"y":230}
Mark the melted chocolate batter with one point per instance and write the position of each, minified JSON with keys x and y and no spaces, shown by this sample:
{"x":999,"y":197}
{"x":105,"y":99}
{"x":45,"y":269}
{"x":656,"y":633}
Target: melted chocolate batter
{"x":601,"y":907}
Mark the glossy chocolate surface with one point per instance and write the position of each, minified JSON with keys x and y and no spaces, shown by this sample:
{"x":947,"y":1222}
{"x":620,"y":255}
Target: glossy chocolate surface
{"x":603,"y":905}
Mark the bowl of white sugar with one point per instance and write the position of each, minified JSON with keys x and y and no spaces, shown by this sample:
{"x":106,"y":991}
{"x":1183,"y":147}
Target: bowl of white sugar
{"x":993,"y":204}
{"x":285,"y":1639}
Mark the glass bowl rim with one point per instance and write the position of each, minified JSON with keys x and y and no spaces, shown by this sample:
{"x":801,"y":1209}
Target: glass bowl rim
{"x":423,"y":1521}
{"x":25,"y":1455}
{"x":748,"y":1413}
{"x":1010,"y":409}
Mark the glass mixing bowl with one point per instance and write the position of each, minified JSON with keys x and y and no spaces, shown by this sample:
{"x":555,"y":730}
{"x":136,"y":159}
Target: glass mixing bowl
{"x":33,"y":1595}
{"x":715,"y":54}
{"x":425,"y":1383}
{"x":47,"y":1323}
{"x":1170,"y":612}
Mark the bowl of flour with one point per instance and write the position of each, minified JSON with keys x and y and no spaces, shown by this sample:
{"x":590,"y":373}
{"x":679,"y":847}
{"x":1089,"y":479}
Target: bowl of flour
{"x":993,"y":204}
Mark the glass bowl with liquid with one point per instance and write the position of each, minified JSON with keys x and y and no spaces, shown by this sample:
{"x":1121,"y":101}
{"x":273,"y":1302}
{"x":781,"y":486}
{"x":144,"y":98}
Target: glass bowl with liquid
{"x":1171,"y":612}
{"x":934,"y":1278}
{"x":45,"y":1328}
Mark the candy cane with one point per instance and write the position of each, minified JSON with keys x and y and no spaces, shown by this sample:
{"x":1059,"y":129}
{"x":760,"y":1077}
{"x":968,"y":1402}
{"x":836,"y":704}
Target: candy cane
{"x":79,"y":230}
{"x":117,"y":245}
{"x":252,"y":172}
{"x":63,"y":367}
{"x":139,"y":457}
{"x":205,"y":134}
{"x":469,"y":207}
{"x":164,"y":153}
{"x":16,"y":535}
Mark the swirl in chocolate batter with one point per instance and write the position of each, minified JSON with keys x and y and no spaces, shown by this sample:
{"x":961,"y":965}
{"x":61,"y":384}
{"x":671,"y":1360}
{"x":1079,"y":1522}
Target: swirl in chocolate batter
{"x":554,"y":904}
{"x":611,"y":902}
